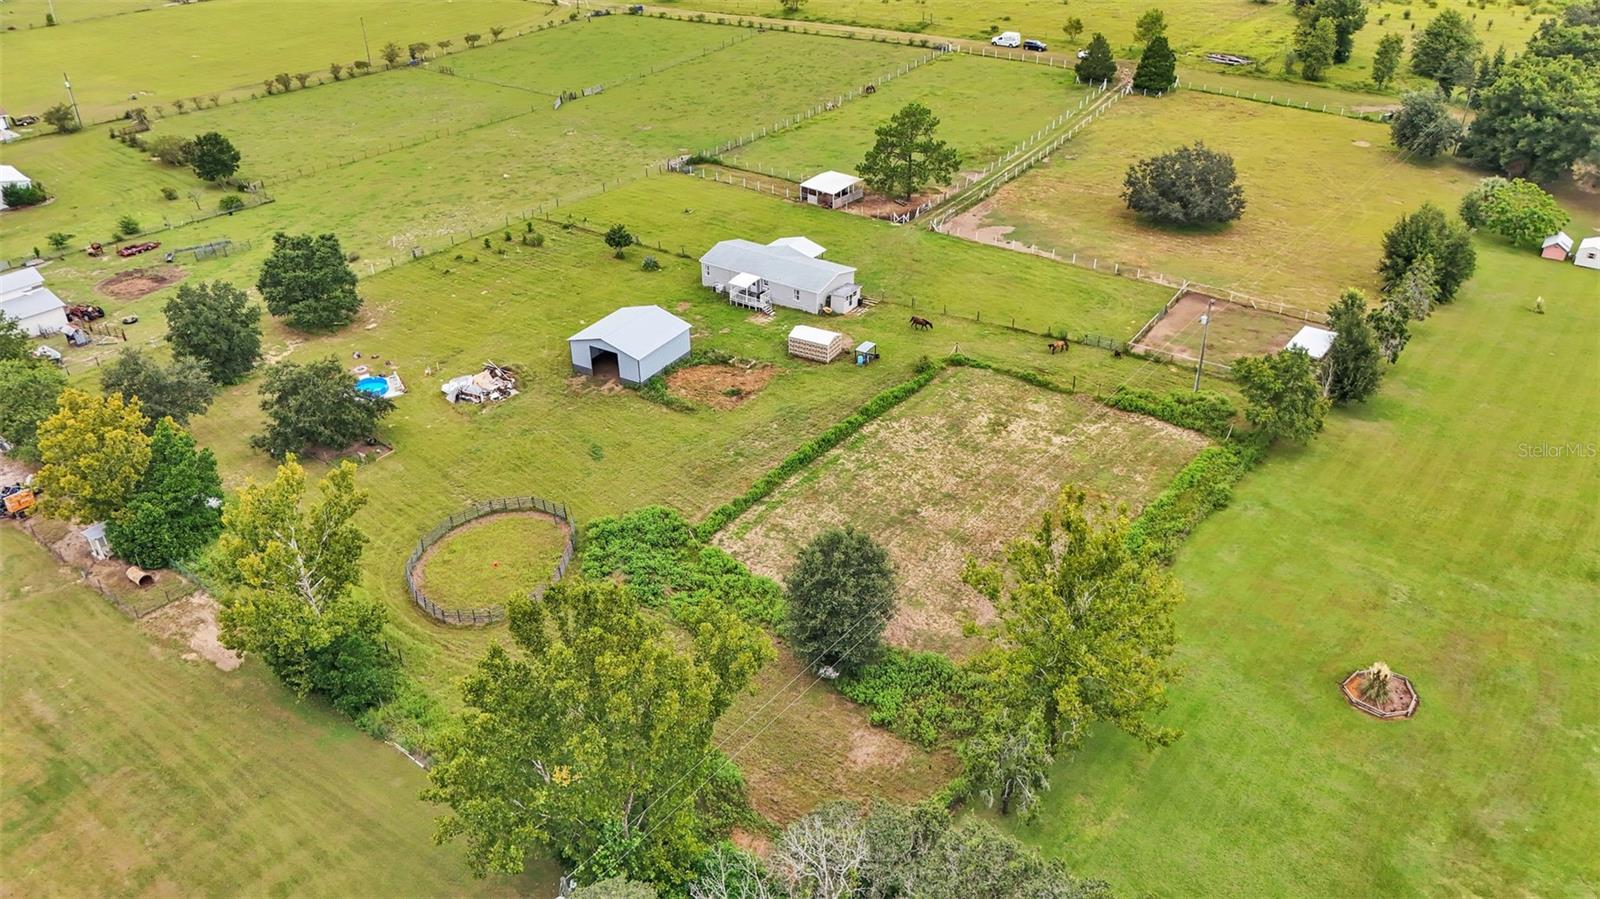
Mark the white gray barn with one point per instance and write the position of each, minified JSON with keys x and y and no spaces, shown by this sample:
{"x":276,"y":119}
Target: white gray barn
{"x":37,"y":310}
{"x":784,"y":273}
{"x":635,"y":343}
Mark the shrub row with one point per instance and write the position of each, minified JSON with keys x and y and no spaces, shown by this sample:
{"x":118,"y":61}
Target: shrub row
{"x":811,"y":451}
{"x":1208,"y":412}
{"x":1202,"y":487}
{"x":922,"y":696}
{"x":1023,"y":375}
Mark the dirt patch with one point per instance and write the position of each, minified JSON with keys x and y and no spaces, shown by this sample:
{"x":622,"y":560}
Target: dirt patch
{"x":1362,"y":143}
{"x":757,"y":844}
{"x":362,"y":451}
{"x":872,"y":747}
{"x":583,"y":384}
{"x":1375,"y":107}
{"x":719,"y":386}
{"x":955,"y":472}
{"x":136,"y":282}
{"x":1236,"y":331}
{"x":193,"y":621}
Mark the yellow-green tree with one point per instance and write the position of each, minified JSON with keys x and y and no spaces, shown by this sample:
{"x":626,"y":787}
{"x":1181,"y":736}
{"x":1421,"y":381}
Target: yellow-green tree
{"x":94,"y":450}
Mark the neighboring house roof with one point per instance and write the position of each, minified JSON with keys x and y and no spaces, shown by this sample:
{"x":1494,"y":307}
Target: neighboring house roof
{"x":1558,"y":239}
{"x":10,"y":175}
{"x":1589,"y":243}
{"x":635,"y":330}
{"x":801,"y":245}
{"x":34,"y":302}
{"x":830,"y":182}
{"x":784,"y":265}
{"x":1315,"y":341}
{"x":20,"y":280}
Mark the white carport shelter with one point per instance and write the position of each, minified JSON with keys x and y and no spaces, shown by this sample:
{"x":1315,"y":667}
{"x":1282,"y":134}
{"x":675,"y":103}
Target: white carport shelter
{"x":831,"y":190}
{"x":1588,"y":254}
{"x":1315,"y":341}
{"x":782,"y":273}
{"x":635,"y":342}
{"x":9,"y":176}
{"x":24,"y":297}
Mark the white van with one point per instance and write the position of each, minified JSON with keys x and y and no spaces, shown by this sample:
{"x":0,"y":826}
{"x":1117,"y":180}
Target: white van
{"x":1007,"y":39}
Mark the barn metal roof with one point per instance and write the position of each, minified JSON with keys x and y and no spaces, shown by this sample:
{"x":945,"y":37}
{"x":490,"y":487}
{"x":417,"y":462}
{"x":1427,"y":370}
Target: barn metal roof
{"x":30,"y":304}
{"x":635,"y":331}
{"x":830,"y":182}
{"x":784,"y":265}
{"x":10,"y":175}
{"x":20,"y":280}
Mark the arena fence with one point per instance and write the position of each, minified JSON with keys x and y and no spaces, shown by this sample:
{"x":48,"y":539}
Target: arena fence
{"x":486,"y":614}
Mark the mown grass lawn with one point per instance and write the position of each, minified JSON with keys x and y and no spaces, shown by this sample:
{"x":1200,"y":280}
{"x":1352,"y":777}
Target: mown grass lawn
{"x":960,"y":90}
{"x":131,"y":771}
{"x":178,"y":51}
{"x":487,"y":561}
{"x":1319,"y":191}
{"x":1433,"y":528}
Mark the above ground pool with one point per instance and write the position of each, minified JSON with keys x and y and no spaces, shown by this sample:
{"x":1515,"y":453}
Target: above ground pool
{"x":374,"y":385}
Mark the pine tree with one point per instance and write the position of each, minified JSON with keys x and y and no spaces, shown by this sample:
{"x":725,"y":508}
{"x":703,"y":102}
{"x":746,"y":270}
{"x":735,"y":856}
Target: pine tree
{"x":1158,"y":67}
{"x":1098,"y":65}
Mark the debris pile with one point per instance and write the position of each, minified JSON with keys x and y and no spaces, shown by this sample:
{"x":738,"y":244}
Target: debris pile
{"x":490,"y":385}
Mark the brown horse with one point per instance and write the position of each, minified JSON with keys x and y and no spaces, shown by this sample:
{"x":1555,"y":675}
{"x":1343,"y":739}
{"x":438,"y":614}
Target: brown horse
{"x":921,"y":323}
{"x":1058,"y":346}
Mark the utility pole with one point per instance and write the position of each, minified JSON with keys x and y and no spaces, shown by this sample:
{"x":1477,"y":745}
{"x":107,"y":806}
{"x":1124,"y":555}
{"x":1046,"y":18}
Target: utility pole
{"x":75,"y":114}
{"x":364,"y":41}
{"x":1205,"y":332}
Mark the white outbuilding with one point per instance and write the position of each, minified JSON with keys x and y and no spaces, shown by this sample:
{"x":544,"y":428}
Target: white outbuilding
{"x":1315,"y":341}
{"x":831,"y":190}
{"x":1557,"y":246}
{"x":782,"y":273}
{"x":9,"y":176}
{"x":634,"y":344}
{"x":1588,"y":254}
{"x":36,"y":309}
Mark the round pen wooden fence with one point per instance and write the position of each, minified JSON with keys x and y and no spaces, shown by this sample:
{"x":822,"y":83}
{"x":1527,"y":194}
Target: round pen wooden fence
{"x":486,"y":614}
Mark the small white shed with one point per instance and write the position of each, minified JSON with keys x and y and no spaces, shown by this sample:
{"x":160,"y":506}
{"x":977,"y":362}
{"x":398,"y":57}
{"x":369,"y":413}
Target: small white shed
{"x":817,"y":344}
{"x":1315,"y":341}
{"x":9,"y":176}
{"x":635,"y":343}
{"x":1588,"y":254}
{"x":1557,"y":246}
{"x":831,"y":190}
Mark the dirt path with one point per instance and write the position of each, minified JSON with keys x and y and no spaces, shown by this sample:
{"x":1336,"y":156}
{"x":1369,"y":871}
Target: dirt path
{"x":193,"y":621}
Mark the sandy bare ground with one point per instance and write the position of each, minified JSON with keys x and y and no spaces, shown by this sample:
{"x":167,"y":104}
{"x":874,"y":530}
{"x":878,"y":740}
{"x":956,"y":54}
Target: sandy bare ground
{"x":719,"y":386}
{"x":193,"y":622}
{"x":1236,"y":331}
{"x":136,"y":282}
{"x":956,"y":472}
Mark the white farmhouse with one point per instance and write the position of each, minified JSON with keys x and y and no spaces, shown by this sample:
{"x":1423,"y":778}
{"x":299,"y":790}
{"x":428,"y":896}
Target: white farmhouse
{"x":24,"y":297}
{"x":784,"y":273}
{"x":1588,"y":254}
{"x":9,"y":176}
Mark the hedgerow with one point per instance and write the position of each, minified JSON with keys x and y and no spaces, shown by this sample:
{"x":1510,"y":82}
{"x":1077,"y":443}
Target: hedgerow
{"x":1202,"y":487}
{"x":810,"y":451}
{"x":1209,"y":413}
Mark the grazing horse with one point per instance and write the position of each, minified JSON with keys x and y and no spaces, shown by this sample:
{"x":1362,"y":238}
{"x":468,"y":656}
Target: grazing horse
{"x":921,"y":323}
{"x":1058,"y":346}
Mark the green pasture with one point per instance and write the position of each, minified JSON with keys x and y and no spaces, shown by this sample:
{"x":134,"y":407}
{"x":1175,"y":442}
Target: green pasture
{"x":961,"y":91}
{"x":181,"y":51}
{"x":1261,"y":31}
{"x":131,"y":771}
{"x":896,"y":264}
{"x":1446,"y":527}
{"x":1319,"y":191}
{"x":26,"y":14}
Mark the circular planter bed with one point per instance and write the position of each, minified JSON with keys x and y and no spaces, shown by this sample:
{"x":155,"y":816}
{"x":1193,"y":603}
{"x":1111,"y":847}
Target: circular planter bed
{"x":1400,"y":703}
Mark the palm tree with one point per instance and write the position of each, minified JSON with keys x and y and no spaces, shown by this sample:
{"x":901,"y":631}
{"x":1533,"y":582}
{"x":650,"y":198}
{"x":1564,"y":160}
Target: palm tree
{"x":1375,"y":683}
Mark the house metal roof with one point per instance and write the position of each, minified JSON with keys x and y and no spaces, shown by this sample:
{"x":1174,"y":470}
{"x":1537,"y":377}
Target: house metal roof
{"x":1588,"y":242}
{"x":10,"y":175}
{"x":1559,"y":239}
{"x":801,"y":244}
{"x":636,"y":331}
{"x":19,"y":280}
{"x":781,"y":264}
{"x":1315,"y":341}
{"x":29,"y":304}
{"x":830,"y":182}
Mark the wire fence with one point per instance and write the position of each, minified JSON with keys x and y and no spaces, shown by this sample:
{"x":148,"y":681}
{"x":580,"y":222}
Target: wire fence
{"x":486,"y":614}
{"x":1276,"y":100}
